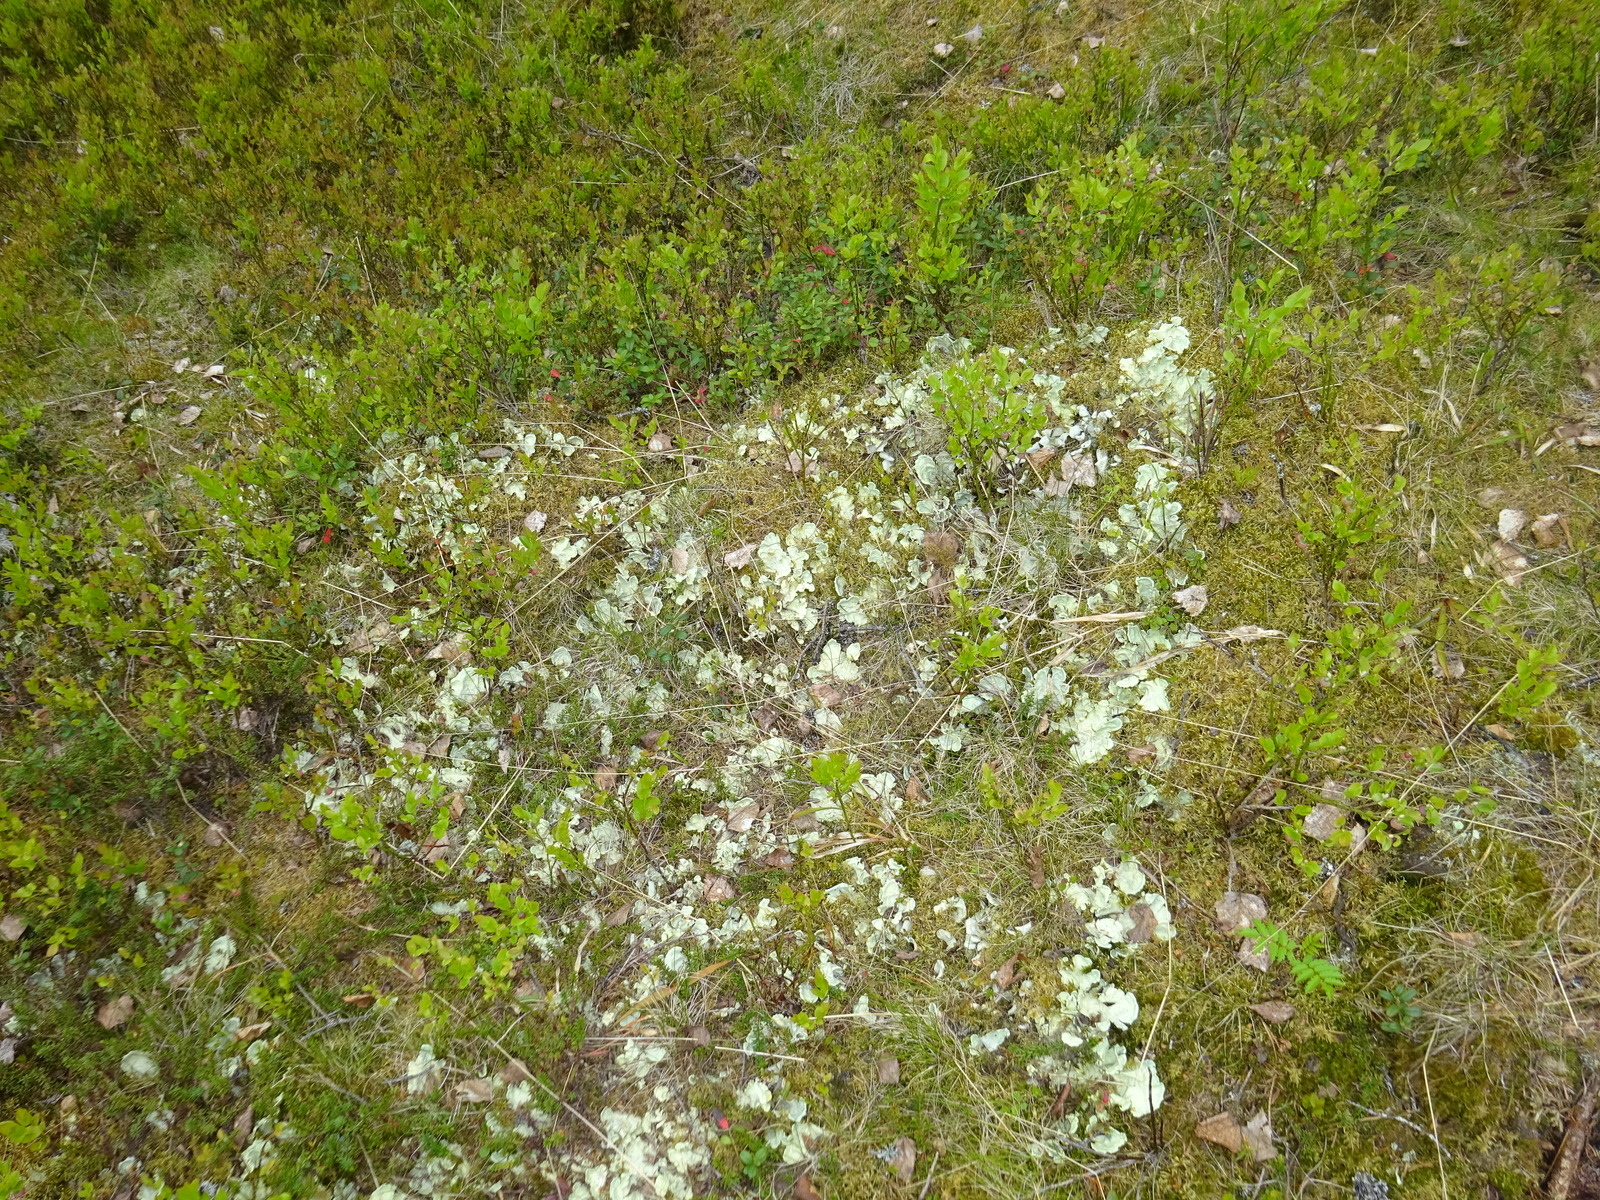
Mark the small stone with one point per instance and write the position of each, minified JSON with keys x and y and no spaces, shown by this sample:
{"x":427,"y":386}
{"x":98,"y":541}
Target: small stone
{"x":188,"y":416}
{"x":678,"y":560}
{"x":1221,"y":1130}
{"x":535,"y":521}
{"x":699,"y":1035}
{"x":1491,"y":497}
{"x":1057,"y":92}
{"x":1547,"y":531}
{"x":11,"y":927}
{"x":1511,"y":523}
{"x":888,"y":1070}
{"x":659,"y":443}
{"x":1509,"y":562}
{"x":1323,"y":821}
{"x":1368,"y":1187}
{"x":1249,"y":956}
{"x":943,"y":49}
{"x":742,"y":557}
{"x":490,"y":453}
{"x":1228,"y":515}
{"x":1274,"y":1012}
{"x":1237,"y":911}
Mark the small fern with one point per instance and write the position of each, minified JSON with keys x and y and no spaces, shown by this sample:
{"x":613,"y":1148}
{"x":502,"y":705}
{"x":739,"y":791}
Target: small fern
{"x":1311,"y":970}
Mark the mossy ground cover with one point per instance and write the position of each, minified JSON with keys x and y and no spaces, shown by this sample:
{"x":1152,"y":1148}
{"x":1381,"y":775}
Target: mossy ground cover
{"x":635,"y":599}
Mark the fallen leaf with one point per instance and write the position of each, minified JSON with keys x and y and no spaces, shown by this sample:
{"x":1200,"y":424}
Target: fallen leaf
{"x":941,"y":547}
{"x":804,"y":1189}
{"x":515,"y":1072}
{"x":914,"y":793}
{"x":765,"y":718}
{"x":188,"y":416}
{"x":1323,"y":821}
{"x":742,"y":818}
{"x":115,"y":1012}
{"x":216,"y":834}
{"x":1244,"y":633}
{"x":1139,"y":754}
{"x":359,"y":999}
{"x":779,"y":860}
{"x":1491,"y":497}
{"x":742,"y":557}
{"x":651,"y":740}
{"x":1237,"y":911}
{"x":826,"y":695}
{"x":605,"y":777}
{"x":678,"y":560}
{"x":11,"y":927}
{"x":1007,"y":973}
{"x":475,"y":1091}
{"x":249,"y":1033}
{"x":490,"y":453}
{"x":904,"y":1159}
{"x":1093,"y":40}
{"x":619,"y":915}
{"x":1464,"y":937}
{"x":1036,"y":871}
{"x":1221,"y":1130}
{"x":1583,"y":435}
{"x":1501,"y":732}
{"x":1144,"y":924}
{"x":1258,"y":1138}
{"x":535,"y":521}
{"x":244,"y":1125}
{"x":451,"y":650}
{"x":888,"y":1070}
{"x":1274,"y":1012}
{"x":1566,"y":1167}
{"x":1511,"y":523}
{"x":660,"y":442}
{"x":1192,"y":599}
{"x":1589,"y":372}
{"x":719,"y":889}
{"x":973,"y":36}
{"x":1228,"y":515}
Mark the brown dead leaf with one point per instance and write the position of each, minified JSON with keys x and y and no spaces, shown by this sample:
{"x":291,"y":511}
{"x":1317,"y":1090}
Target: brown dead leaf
{"x":826,"y":695}
{"x":249,"y":1033}
{"x":804,"y":1189}
{"x":188,"y":416}
{"x":765,"y":718}
{"x":780,"y":859}
{"x":1144,"y":923}
{"x":660,"y":442}
{"x":699,"y":1035}
{"x":1056,"y":92}
{"x":1221,"y":1130}
{"x":515,"y":1072}
{"x":941,"y":548}
{"x":451,"y":650}
{"x":651,"y":741}
{"x":742,"y":557}
{"x":1007,"y":973}
{"x":719,"y":889}
{"x":1589,"y":372}
{"x":1580,"y":434}
{"x":1501,"y":732}
{"x":1274,"y":1012}
{"x":742,"y":818}
{"x":216,"y":834}
{"x":1510,"y":524}
{"x":605,"y":777}
{"x":1036,"y":871}
{"x":1464,"y":937}
{"x":619,"y":915}
{"x":904,"y":1159}
{"x":888,"y":1070}
{"x":475,"y":1091}
{"x":1192,"y":599}
{"x":1227,"y":515}
{"x":359,"y":999}
{"x":1258,"y":1138}
{"x":1139,"y":754}
{"x":115,"y":1012}
{"x":914,"y":792}
{"x":491,"y":453}
{"x":244,"y":1125}
{"x":535,"y":521}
